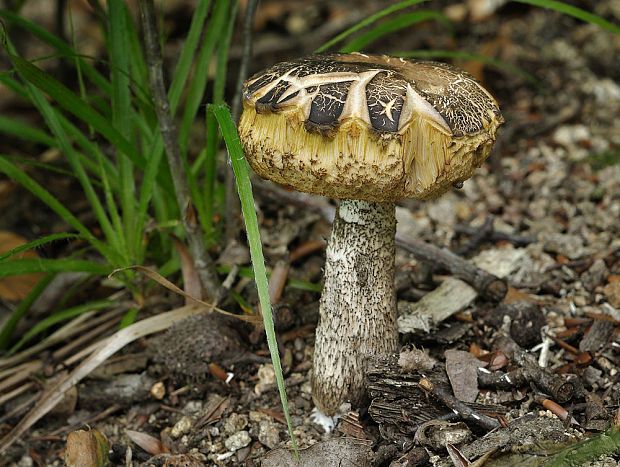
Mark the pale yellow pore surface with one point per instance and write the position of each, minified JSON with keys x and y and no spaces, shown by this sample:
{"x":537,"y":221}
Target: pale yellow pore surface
{"x":421,"y":161}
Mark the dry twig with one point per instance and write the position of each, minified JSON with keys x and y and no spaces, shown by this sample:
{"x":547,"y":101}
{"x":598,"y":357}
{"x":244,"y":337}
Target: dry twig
{"x":204,"y":263}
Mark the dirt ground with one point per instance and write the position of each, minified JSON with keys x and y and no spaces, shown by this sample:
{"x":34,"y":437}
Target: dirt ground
{"x":543,"y":214}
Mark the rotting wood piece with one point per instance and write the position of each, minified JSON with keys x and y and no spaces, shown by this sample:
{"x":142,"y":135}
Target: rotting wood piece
{"x":399,"y":405}
{"x":597,"y":336}
{"x":528,"y":371}
{"x":464,"y":411}
{"x":451,"y":297}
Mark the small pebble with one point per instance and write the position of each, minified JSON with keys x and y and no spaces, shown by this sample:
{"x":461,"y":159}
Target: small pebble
{"x":238,"y":440}
{"x":612,"y":293}
{"x":235,"y":422}
{"x":266,"y":378}
{"x":183,"y":426}
{"x":266,"y":374}
{"x":269,"y":433}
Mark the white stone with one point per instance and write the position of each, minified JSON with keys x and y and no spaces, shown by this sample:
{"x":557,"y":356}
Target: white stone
{"x":183,"y":426}
{"x":238,"y":440}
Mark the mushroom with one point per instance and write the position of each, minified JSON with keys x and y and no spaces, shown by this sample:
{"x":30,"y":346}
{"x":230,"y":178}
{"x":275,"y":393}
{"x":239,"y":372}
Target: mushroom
{"x":369,"y":130}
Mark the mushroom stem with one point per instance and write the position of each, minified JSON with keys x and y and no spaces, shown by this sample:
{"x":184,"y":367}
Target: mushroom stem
{"x":358,"y":304}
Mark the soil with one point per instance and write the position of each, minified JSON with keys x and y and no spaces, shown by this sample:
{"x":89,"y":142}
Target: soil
{"x":542,"y":213}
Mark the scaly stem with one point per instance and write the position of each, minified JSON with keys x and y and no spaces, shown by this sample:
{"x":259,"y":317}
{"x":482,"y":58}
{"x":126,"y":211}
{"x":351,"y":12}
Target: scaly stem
{"x":358,"y":305}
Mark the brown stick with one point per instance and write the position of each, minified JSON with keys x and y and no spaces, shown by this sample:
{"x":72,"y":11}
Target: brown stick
{"x":477,"y":237}
{"x":560,"y":389}
{"x":204,"y":264}
{"x":528,"y":371}
{"x":488,"y":285}
{"x":462,"y":409}
{"x":495,"y":236}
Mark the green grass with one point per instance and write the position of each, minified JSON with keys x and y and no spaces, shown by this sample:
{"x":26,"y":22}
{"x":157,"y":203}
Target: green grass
{"x":395,"y":24}
{"x":128,"y":187}
{"x":241,"y":169}
{"x":601,"y":160}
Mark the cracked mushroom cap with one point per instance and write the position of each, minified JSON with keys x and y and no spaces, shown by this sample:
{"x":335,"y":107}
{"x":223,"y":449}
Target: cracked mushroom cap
{"x":367,"y":127}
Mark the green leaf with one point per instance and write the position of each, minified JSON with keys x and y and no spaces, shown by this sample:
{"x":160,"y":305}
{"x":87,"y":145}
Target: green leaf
{"x":371,"y":19}
{"x":78,"y":107}
{"x":41,"y":165}
{"x":15,"y":267}
{"x":197,"y":86}
{"x":587,"y":450}
{"x":57,"y":43}
{"x":244,"y":188}
{"x":129,"y":318}
{"x":187,"y":55}
{"x":118,"y":42}
{"x":219,"y":82}
{"x":195,"y":94}
{"x":16,"y":129}
{"x":51,"y":118}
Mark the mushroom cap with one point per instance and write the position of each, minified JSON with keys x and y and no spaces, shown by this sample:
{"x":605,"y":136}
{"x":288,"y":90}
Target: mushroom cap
{"x":367,"y":127}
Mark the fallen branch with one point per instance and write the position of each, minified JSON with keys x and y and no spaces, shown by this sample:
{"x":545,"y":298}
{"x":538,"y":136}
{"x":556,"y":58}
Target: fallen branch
{"x":492,"y":235}
{"x":489,"y":286}
{"x":486,"y":284}
{"x":464,"y":411}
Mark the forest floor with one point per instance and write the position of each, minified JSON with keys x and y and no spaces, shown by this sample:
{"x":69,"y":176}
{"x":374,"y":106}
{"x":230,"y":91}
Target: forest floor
{"x":543,"y":214}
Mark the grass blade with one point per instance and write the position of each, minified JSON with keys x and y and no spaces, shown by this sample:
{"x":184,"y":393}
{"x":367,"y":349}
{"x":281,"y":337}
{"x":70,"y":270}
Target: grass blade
{"x":371,"y":19}
{"x":213,"y":137}
{"x":187,"y":55}
{"x":60,"y":45}
{"x":146,"y":194}
{"x":78,"y":107}
{"x":38,"y":242}
{"x":573,"y":11}
{"x":31,"y":185}
{"x":215,"y":29}
{"x":22,"y":309}
{"x":60,"y":317}
{"x":121,"y":113}
{"x":197,"y":87}
{"x":14,"y":267}
{"x":91,"y":151}
{"x":16,"y":129}
{"x":50,"y":116}
{"x":244,"y":187}
{"x":41,"y":165}
{"x":395,"y":24}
